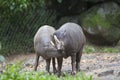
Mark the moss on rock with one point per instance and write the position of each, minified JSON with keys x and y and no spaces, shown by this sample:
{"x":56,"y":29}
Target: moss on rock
{"x":102,"y":21}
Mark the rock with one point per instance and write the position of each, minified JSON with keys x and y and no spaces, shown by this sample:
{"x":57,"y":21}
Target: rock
{"x":101,"y":24}
{"x":2,"y":58}
{"x":27,"y":64}
{"x":109,"y":72}
{"x":118,"y":74}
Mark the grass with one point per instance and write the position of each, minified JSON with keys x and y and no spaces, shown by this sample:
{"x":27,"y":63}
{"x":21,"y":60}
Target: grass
{"x":13,"y":72}
{"x":100,"y":49}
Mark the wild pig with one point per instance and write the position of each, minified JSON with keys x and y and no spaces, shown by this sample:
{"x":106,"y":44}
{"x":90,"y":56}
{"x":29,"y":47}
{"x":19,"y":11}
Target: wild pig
{"x":43,"y":47}
{"x":69,"y":41}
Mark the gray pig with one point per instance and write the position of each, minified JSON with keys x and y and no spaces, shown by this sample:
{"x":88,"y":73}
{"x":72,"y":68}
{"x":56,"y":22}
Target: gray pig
{"x":69,"y":40}
{"x":43,"y":47}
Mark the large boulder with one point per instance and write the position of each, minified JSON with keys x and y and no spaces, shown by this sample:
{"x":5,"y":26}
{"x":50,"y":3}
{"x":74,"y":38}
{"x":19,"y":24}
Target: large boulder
{"x":101,"y":24}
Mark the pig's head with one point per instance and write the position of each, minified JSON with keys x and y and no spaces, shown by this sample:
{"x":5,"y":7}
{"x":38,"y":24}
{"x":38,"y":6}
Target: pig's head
{"x":58,"y":40}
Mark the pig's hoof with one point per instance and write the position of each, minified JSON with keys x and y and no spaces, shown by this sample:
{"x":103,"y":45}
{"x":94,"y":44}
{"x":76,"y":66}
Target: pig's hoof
{"x":58,"y":74}
{"x":73,"y":72}
{"x":55,"y":71}
{"x":78,"y":70}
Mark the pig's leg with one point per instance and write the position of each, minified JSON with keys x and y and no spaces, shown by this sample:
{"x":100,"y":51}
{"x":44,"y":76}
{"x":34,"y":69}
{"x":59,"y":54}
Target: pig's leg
{"x":48,"y":65}
{"x":54,"y":67}
{"x":59,"y":60}
{"x":78,"y":59}
{"x":73,"y":63}
{"x":36,"y":62}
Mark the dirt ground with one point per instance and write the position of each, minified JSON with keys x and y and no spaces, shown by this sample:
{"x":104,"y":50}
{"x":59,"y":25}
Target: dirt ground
{"x":103,"y":66}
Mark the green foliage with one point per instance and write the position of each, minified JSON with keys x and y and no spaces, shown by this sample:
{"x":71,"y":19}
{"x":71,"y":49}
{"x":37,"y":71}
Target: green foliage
{"x":13,"y":72}
{"x":114,"y":19}
{"x":17,"y":32}
{"x":19,"y":20}
{"x":99,"y":49}
{"x":79,"y":76}
{"x":95,"y":20}
{"x":110,"y":50}
{"x":89,"y":49}
{"x":113,"y":31}
{"x":12,"y":7}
